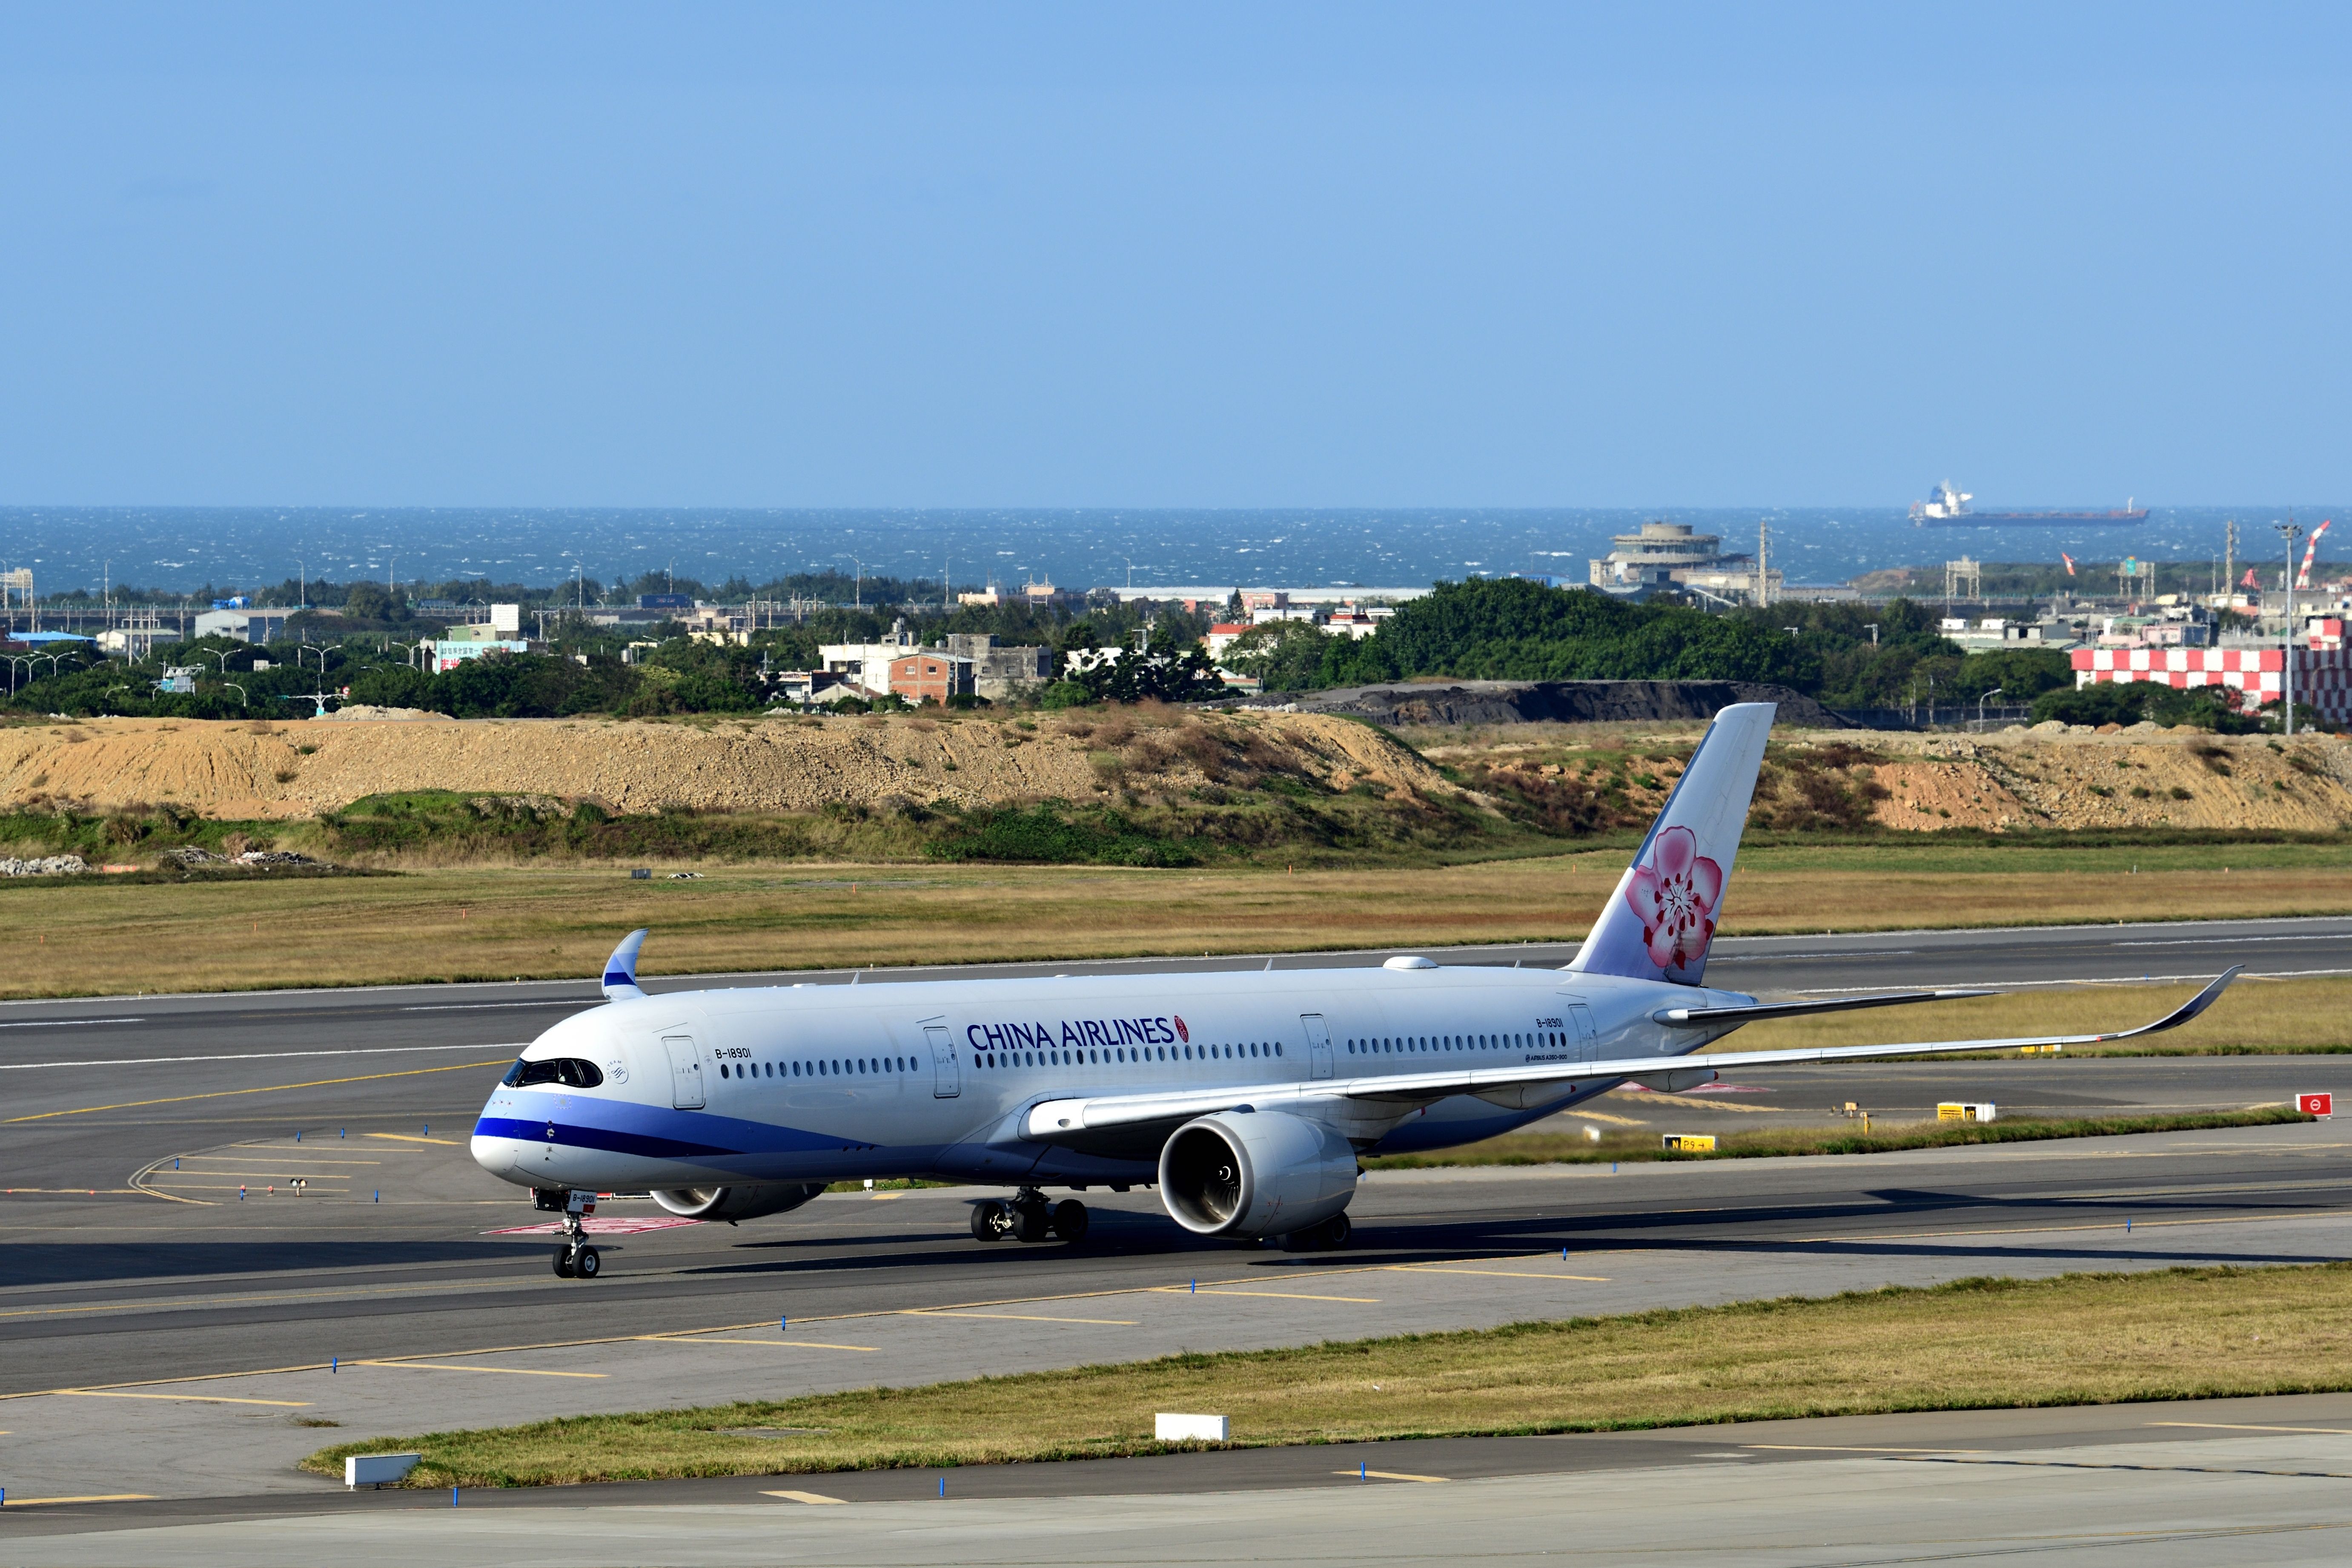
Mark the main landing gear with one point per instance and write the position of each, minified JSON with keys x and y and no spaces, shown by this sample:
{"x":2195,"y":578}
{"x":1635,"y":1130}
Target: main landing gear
{"x":575,"y":1259}
{"x":1028,"y":1217}
{"x":1331,"y":1235}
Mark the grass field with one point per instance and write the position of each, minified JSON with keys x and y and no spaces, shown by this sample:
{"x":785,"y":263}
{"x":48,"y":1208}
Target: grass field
{"x":85,"y":936}
{"x":2079,"y":1340}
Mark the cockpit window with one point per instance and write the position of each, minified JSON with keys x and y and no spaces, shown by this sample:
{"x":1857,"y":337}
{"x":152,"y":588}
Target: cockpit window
{"x":569,"y":1072}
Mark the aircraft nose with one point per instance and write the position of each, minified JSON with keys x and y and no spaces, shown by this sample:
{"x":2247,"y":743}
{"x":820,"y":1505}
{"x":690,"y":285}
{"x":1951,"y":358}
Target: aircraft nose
{"x":492,"y":1148}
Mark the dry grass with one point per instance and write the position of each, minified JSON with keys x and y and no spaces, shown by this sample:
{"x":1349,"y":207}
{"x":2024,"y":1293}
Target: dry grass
{"x":2083,"y":1338}
{"x":91,"y":936}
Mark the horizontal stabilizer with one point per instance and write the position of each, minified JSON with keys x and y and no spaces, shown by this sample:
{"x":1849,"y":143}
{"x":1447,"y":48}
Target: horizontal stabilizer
{"x":1749,"y":1013}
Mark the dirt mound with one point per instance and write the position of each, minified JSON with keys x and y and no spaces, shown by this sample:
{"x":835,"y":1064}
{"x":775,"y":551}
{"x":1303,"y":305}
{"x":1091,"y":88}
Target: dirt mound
{"x":2141,"y":777}
{"x":261,"y":770}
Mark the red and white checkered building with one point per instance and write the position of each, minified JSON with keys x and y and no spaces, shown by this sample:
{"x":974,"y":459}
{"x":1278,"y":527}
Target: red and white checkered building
{"x":2323,"y":675}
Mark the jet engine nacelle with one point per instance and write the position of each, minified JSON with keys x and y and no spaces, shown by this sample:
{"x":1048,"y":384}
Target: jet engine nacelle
{"x":732,"y":1203}
{"x":1249,"y":1173}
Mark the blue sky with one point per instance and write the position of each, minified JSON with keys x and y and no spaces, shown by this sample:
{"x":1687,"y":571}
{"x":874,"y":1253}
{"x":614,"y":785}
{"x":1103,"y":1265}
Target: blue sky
{"x":1180,"y":255}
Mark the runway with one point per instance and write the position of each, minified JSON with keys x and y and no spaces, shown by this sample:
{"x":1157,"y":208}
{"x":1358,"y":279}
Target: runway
{"x":112,"y":1289}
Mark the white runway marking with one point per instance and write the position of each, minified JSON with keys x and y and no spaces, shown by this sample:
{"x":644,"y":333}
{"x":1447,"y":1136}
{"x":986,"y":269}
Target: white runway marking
{"x":250,"y":1057}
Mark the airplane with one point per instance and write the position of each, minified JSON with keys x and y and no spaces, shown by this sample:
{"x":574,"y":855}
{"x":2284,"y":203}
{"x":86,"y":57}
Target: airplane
{"x":1244,"y":1098}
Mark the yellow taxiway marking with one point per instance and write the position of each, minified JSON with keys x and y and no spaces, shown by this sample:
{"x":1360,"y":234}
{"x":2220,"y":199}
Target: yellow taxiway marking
{"x":95,"y":1497}
{"x":1395,"y":1476}
{"x":199,"y":1398}
{"x":264,"y":1089}
{"x":1695,"y":1102}
{"x":445,"y":1366}
{"x":879,"y":1198}
{"x":1850,"y":1448}
{"x":1269,"y":1295}
{"x":1020,"y":1317}
{"x":794,"y":1344}
{"x":2233,"y":1427}
{"x":1495,"y":1273}
{"x":805,"y":1497}
{"x":257,"y":1181}
{"x":411,"y":1138}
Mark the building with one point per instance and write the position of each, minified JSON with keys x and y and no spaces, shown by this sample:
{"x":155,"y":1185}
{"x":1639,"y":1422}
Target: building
{"x":242,"y":625}
{"x":1001,"y":672}
{"x":930,"y":675}
{"x":1674,"y":555}
{"x":1222,"y":635}
{"x":1350,"y":622}
{"x":1213,"y":600}
{"x":868,"y":664}
{"x":2254,"y":676}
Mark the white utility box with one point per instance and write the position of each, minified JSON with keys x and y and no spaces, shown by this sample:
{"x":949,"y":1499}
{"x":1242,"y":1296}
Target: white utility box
{"x":378,"y":1470}
{"x":1189,"y":1428}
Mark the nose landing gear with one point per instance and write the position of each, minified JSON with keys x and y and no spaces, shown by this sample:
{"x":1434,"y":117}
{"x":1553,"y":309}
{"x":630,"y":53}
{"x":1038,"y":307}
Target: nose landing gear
{"x":576,"y":1260}
{"x":1026,"y":1216}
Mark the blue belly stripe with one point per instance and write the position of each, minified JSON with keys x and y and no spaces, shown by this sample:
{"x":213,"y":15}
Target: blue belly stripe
{"x":603,"y":1137}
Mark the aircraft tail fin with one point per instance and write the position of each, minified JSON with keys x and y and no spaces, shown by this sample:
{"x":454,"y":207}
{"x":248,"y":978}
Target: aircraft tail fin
{"x":1660,"y":921}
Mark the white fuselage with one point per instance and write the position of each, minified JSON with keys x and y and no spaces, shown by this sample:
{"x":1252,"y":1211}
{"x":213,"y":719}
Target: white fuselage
{"x":819,"y":1083}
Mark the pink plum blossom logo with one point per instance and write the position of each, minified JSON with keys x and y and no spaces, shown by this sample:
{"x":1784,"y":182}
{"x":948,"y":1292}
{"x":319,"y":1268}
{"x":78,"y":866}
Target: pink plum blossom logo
{"x":1675,"y":896}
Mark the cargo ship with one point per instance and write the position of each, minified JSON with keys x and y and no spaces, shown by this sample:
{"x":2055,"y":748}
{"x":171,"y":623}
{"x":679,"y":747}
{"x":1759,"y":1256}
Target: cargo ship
{"x":1948,"y":508}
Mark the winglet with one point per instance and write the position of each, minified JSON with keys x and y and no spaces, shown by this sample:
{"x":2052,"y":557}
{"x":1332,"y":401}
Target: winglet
{"x":2187,"y":1010}
{"x":621,"y":969}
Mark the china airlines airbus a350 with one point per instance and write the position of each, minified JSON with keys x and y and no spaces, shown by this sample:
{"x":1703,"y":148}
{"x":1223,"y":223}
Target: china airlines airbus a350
{"x":1245,"y":1098}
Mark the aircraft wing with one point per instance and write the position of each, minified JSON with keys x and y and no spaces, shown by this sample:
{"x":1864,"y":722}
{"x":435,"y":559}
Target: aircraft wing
{"x":1060,"y":1119}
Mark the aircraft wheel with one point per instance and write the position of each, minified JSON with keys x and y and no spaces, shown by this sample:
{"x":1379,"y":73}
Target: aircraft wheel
{"x":1070,"y":1221}
{"x":587,"y":1263}
{"x":989,"y":1221}
{"x":1335,"y":1232}
{"x":564,"y":1262}
{"x":1030,"y":1222}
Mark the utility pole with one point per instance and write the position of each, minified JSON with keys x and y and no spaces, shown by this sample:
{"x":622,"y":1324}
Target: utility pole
{"x":2290,"y":531}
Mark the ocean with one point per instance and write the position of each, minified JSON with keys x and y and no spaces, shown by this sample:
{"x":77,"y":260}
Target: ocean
{"x":184,"y":549}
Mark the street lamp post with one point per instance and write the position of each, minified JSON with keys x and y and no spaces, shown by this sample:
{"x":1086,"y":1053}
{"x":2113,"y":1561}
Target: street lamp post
{"x":1983,"y":700}
{"x":242,"y":701}
{"x":2290,"y":531}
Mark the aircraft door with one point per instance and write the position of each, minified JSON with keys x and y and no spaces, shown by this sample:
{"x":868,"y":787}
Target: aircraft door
{"x":948,"y":1083}
{"x":1318,"y":1045}
{"x":685,"y":1071}
{"x":1587,"y":1038}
